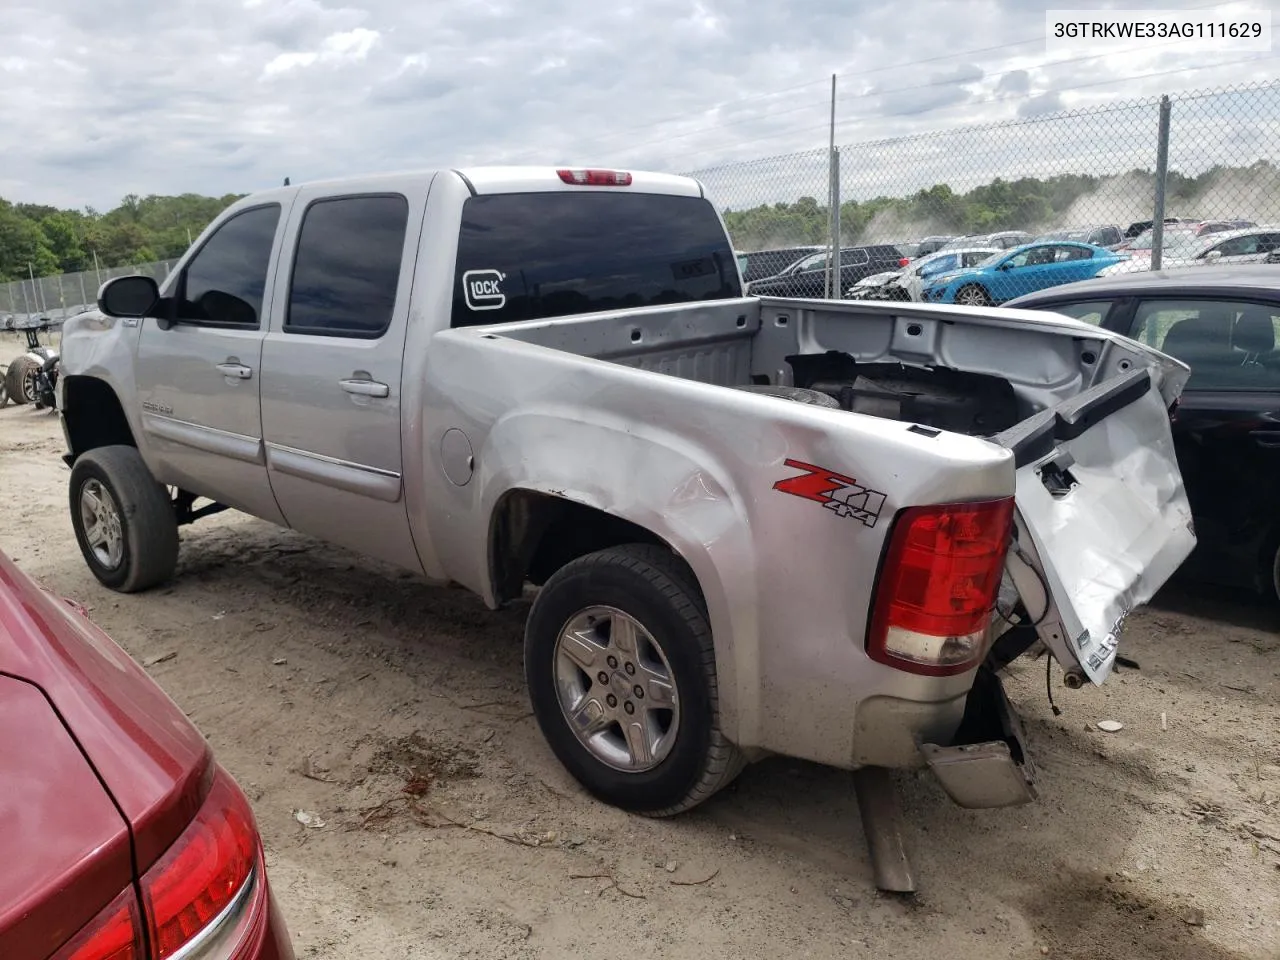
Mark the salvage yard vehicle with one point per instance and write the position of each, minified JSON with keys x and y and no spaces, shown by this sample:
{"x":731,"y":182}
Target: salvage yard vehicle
{"x":908,"y":283}
{"x":1019,"y":271}
{"x":123,"y":837}
{"x":759,"y":525}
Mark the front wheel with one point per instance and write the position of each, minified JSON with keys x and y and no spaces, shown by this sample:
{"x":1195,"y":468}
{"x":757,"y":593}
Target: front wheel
{"x":621,"y":672}
{"x":973,"y":296}
{"x":123,"y":519}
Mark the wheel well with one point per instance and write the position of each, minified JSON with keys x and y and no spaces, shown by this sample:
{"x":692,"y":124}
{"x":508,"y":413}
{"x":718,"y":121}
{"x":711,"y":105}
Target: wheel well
{"x":93,"y":416}
{"x":532,"y":535}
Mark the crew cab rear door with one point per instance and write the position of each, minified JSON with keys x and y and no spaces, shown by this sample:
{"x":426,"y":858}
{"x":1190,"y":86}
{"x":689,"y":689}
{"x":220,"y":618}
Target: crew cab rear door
{"x":332,"y":365}
{"x":1103,"y":519}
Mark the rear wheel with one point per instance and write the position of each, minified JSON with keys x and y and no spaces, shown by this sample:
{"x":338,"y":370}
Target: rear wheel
{"x":621,"y":672}
{"x":973,"y":296}
{"x":123,"y":519}
{"x":20,"y":379}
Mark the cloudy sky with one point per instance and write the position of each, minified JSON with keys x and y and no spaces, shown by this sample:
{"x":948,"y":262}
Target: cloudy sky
{"x":107,"y":97}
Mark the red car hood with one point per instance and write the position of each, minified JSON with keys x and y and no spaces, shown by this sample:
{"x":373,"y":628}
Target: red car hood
{"x":147,"y":754}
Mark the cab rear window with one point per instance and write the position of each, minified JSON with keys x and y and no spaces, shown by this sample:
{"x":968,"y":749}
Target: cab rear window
{"x":527,"y":256}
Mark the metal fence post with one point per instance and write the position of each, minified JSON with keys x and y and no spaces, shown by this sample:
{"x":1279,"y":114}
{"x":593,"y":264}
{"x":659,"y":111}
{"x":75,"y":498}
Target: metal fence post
{"x":1162,"y":177}
{"x":837,"y":293}
{"x":831,"y":195}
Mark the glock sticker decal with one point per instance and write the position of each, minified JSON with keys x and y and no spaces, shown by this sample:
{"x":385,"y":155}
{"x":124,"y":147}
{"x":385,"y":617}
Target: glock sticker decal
{"x":840,"y":494}
{"x":483,"y":289}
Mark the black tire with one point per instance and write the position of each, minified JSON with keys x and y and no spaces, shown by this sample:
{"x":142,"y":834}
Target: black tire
{"x":980,"y":297}
{"x":4,"y":387}
{"x":148,"y":528}
{"x":19,"y":379}
{"x":655,"y":588}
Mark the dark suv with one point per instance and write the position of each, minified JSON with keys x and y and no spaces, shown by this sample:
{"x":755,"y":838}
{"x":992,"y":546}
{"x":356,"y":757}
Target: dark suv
{"x":807,"y":277}
{"x":1223,"y":323}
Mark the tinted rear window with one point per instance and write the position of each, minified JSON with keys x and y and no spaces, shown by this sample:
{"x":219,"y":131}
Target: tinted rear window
{"x":533,"y":255}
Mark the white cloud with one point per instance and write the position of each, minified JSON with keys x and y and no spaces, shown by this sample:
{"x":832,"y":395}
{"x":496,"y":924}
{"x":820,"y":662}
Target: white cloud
{"x":214,"y":96}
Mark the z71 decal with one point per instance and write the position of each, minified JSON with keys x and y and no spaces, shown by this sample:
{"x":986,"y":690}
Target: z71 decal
{"x":835,"y":491}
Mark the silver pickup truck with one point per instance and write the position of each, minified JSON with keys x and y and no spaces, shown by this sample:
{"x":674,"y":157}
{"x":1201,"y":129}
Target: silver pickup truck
{"x":758,"y":526}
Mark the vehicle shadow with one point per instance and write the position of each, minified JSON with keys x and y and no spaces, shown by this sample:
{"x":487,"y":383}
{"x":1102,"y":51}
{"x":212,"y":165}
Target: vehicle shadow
{"x":1027,"y":864}
{"x":1238,"y":607}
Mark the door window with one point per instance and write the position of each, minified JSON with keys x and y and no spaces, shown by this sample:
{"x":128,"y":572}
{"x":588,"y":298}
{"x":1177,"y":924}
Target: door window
{"x":1228,"y":345}
{"x":1067,"y":254}
{"x":224,"y":282}
{"x":1090,"y":311}
{"x":347,"y":266}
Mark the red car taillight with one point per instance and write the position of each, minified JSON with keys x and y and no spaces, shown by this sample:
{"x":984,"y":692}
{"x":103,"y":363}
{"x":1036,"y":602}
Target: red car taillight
{"x":114,"y":934}
{"x":200,"y":874}
{"x":185,"y":890}
{"x":904,"y":261}
{"x":938,"y":586}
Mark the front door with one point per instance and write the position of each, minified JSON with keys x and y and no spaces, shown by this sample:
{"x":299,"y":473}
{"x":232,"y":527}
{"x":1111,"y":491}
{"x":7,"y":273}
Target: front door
{"x":199,"y":380}
{"x":331,"y":385}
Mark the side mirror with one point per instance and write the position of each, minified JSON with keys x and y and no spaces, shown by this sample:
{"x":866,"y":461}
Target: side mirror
{"x":130,"y":297}
{"x":1213,"y":255}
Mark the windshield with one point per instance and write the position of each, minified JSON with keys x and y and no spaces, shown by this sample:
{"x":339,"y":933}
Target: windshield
{"x":525,"y":256}
{"x":1143,"y":241}
{"x":1185,"y":244}
{"x":992,"y":260}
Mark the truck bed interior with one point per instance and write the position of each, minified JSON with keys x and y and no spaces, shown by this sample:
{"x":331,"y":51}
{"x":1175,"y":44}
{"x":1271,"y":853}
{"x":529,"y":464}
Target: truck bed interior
{"x":969,"y":375}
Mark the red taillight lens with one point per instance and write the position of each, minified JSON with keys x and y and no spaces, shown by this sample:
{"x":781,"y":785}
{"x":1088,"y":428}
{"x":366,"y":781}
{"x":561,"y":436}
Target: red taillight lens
{"x":596,"y":178}
{"x":114,"y":934}
{"x":201,"y":873}
{"x":938,"y":586}
{"x":904,"y":261}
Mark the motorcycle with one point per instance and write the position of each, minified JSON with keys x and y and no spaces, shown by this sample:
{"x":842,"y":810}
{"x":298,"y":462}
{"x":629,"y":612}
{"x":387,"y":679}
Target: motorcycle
{"x":32,"y":377}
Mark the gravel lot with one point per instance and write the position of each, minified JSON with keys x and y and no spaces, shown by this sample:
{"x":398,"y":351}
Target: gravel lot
{"x":395,"y":714}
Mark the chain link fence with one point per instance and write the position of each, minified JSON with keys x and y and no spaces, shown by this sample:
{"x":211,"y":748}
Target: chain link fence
{"x":1069,"y":178}
{"x":58,"y":297}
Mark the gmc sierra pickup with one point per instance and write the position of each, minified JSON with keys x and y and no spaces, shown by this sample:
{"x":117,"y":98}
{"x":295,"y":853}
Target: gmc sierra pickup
{"x":758,"y":525}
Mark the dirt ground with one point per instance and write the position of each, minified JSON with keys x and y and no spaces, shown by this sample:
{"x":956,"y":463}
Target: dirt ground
{"x":394,"y":714}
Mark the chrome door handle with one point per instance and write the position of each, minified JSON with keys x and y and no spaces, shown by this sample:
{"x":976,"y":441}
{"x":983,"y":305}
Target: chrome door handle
{"x":365,"y":388}
{"x":237,"y":370}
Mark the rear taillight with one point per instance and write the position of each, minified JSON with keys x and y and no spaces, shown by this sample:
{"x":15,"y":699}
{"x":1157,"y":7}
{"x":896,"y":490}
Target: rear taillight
{"x":596,"y":178}
{"x":904,"y":261}
{"x":199,"y":876}
{"x":938,"y":586}
{"x":114,"y":934}
{"x":184,"y":891}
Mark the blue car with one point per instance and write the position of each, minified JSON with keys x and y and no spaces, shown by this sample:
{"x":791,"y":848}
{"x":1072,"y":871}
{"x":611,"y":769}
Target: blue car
{"x":1025,"y":269}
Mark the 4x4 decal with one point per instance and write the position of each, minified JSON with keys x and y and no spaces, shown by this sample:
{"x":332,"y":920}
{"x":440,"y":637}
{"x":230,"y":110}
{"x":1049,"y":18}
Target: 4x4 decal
{"x":840,"y":494}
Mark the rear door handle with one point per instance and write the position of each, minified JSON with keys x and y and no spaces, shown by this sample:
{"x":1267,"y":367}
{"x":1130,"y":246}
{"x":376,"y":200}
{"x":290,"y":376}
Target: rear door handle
{"x":365,"y":388}
{"x":233,"y":369}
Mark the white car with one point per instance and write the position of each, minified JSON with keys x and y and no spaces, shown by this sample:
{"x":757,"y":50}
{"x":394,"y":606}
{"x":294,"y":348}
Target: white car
{"x":908,"y":283}
{"x":1182,"y":249}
